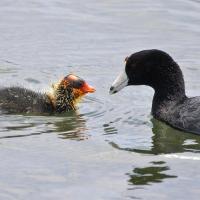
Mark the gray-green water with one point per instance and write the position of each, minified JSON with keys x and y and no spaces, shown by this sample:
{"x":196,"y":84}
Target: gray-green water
{"x":110,"y":149}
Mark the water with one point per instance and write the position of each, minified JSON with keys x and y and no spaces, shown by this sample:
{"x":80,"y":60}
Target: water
{"x":111,"y":149}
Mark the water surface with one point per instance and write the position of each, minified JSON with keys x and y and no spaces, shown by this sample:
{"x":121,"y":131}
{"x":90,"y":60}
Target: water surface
{"x":111,"y":149}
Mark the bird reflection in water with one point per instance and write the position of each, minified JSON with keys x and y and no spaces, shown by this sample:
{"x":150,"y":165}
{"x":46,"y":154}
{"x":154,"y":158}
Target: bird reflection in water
{"x":71,"y":127}
{"x":155,"y":173}
{"x":166,"y":140}
{"x":170,"y":140}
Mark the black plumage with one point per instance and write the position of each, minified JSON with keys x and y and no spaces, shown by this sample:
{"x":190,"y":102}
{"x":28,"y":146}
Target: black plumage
{"x":157,"y":69}
{"x":21,"y":100}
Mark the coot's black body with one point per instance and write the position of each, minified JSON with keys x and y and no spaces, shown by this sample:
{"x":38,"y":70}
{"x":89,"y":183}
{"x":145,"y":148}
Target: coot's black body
{"x":183,"y":114}
{"x":157,"y":69}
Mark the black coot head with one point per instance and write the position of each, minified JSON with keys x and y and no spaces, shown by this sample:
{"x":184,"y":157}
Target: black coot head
{"x":143,"y":67}
{"x":146,"y":67}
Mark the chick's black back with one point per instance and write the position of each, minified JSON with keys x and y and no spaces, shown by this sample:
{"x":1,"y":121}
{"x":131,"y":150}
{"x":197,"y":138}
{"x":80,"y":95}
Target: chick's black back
{"x":21,"y":100}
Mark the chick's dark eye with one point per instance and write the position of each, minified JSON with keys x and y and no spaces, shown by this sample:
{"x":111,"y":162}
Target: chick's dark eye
{"x":77,"y":83}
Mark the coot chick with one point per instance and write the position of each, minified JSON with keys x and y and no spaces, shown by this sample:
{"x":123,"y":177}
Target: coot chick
{"x":63,"y":96}
{"x":158,"y":70}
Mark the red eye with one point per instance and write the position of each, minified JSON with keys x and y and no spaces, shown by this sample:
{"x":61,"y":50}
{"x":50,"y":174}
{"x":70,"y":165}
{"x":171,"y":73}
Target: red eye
{"x":126,"y":59}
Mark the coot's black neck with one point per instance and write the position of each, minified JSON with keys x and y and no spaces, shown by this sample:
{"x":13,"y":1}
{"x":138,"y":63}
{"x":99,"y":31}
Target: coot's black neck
{"x":169,"y":88}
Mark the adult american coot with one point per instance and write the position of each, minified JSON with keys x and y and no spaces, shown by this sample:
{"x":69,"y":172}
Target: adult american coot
{"x":62,"y":97}
{"x":158,"y":70}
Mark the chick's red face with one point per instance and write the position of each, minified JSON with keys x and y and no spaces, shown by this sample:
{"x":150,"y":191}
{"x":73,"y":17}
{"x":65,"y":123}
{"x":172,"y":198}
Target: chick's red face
{"x":79,"y":85}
